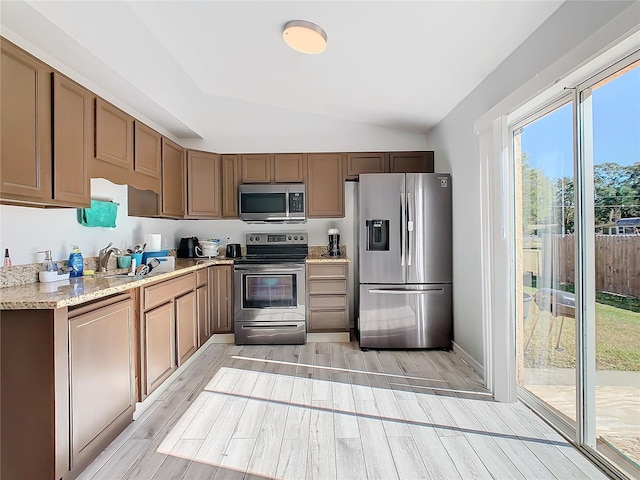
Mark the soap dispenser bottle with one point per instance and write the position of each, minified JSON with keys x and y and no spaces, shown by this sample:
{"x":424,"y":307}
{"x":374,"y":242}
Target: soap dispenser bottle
{"x":48,"y":265}
{"x":76,"y":262}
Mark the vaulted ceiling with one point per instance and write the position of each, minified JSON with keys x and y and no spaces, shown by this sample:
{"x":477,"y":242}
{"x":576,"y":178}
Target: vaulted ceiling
{"x":402,"y":65}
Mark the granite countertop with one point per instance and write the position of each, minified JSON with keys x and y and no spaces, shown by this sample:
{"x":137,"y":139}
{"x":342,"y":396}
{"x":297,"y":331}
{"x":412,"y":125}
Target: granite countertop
{"x":67,"y":293}
{"x":327,"y":259}
{"x":319,"y":255}
{"x":75,"y":291}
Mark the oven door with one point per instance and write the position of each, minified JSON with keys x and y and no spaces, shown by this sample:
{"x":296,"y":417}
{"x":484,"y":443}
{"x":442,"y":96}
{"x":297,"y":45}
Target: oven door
{"x":270,"y":292}
{"x":269,"y":303}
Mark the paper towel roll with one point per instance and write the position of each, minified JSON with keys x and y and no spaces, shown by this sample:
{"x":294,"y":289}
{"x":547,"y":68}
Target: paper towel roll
{"x":153,"y":241}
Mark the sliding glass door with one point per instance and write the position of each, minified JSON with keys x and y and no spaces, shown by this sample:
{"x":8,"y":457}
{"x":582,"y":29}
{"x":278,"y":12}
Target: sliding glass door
{"x":577,"y":184}
{"x":610,"y":109}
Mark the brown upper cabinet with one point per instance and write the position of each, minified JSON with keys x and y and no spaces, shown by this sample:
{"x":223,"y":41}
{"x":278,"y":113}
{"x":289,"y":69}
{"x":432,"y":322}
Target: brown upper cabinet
{"x":147,"y":156}
{"x":357,"y":163}
{"x":72,"y":142}
{"x":387,"y":162}
{"x":325,"y":185}
{"x":114,"y":135}
{"x":272,"y":168}
{"x":126,"y":150}
{"x":25,"y":116}
{"x":230,"y":181}
{"x":256,"y":168}
{"x":289,"y":167}
{"x":204,"y":185}
{"x":173,"y":179}
{"x":411,"y":162}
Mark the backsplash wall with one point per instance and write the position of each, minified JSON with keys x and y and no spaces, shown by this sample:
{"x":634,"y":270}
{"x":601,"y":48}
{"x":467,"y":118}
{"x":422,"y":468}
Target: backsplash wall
{"x":25,"y":231}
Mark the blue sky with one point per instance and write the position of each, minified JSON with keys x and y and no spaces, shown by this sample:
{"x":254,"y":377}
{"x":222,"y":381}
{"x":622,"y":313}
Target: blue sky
{"x":616,"y":107}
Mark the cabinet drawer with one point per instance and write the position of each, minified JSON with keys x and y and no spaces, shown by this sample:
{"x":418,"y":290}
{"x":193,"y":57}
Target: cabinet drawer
{"x":334,"y":302}
{"x":328,"y":321}
{"x":320,"y":270}
{"x":167,"y":290}
{"x":336,"y":286}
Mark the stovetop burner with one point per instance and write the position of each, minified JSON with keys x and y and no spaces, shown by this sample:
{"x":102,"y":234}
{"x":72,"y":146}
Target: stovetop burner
{"x":275,"y":247}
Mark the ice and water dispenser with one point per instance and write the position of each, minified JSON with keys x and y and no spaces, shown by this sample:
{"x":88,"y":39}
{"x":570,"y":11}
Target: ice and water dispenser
{"x":377,"y":235}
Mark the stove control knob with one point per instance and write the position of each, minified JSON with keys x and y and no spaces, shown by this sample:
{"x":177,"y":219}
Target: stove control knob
{"x":257,"y":239}
{"x":251,"y":239}
{"x":289,"y":237}
{"x":295,"y":237}
{"x":301,"y":237}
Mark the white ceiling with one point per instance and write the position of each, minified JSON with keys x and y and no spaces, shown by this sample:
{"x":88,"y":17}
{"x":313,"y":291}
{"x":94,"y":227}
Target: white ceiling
{"x":402,"y":65}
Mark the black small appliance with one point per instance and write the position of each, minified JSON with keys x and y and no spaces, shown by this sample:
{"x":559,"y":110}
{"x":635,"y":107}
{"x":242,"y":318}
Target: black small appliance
{"x":187,"y":248}
{"x":334,"y":245}
{"x":234,"y":250}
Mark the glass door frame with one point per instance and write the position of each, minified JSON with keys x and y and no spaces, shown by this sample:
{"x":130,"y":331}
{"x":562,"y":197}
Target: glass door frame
{"x":566,"y":98}
{"x":584,"y":433}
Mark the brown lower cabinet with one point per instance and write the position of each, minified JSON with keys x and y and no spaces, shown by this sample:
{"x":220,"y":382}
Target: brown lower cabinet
{"x":67,"y":382}
{"x":68,"y":376}
{"x":221,"y":299}
{"x":327,"y":300}
{"x":101,"y":375}
{"x":168,"y":332}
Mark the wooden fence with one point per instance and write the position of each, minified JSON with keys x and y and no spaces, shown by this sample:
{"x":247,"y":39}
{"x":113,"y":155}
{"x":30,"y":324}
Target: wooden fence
{"x":617,"y":262}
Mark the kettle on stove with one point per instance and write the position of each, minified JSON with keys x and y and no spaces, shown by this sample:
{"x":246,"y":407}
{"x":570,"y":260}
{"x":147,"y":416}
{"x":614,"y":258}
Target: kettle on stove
{"x":187,"y":248}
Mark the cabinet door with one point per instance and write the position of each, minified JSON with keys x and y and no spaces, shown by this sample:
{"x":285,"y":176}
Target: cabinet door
{"x":204,"y":185}
{"x":72,"y":142}
{"x":256,"y":168}
{"x":159,"y":345}
{"x":114,"y":135}
{"x":147,"y":158}
{"x":220,"y":291}
{"x":357,"y":163}
{"x":173,"y":179}
{"x":186,"y":327}
{"x":230,"y":180}
{"x":204,"y":322}
{"x":411,"y":162}
{"x":289,"y":168}
{"x":325,"y":185}
{"x":25,"y":125}
{"x":101,"y":373}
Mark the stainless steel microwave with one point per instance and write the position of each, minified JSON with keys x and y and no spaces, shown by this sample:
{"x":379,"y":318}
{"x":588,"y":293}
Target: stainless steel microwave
{"x":279,"y":203}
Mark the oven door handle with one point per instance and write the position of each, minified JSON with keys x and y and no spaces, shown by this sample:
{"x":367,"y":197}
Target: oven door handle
{"x":267,"y":270}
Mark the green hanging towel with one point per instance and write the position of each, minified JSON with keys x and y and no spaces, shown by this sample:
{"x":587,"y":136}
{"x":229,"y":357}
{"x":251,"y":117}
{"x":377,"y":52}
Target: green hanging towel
{"x":101,"y":214}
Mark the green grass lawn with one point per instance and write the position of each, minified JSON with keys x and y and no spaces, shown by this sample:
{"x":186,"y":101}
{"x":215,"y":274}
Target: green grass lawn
{"x":617,"y":337}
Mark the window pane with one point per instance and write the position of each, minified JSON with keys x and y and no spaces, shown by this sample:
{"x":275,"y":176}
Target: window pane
{"x":546,"y":340}
{"x":615,"y":124}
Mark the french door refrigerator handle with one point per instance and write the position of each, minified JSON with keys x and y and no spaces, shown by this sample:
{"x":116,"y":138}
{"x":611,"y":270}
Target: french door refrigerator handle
{"x":402,"y":229}
{"x":410,"y":232}
{"x":400,"y":291}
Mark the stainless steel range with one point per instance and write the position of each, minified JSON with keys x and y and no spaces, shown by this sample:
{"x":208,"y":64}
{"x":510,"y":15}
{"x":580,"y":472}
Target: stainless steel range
{"x":270,"y":290}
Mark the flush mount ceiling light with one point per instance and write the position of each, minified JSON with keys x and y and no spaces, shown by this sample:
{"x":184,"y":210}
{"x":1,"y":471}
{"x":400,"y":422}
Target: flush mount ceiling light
{"x":305,"y":37}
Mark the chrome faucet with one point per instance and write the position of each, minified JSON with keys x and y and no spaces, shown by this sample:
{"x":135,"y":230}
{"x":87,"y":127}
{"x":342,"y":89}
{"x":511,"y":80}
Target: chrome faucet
{"x":104,"y":254}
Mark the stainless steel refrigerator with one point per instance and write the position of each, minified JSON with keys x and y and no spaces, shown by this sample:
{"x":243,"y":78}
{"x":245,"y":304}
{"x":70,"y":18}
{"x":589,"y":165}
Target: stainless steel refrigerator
{"x":405,"y":260}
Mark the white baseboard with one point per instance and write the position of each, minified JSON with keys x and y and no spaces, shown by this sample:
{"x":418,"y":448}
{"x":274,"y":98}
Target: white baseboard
{"x":477,"y":367}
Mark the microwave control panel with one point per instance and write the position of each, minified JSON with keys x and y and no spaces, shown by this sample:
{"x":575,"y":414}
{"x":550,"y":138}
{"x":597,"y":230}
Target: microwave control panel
{"x":296,"y":202}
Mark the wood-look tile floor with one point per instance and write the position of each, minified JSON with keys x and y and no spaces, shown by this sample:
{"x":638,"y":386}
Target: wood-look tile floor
{"x":331,"y":411}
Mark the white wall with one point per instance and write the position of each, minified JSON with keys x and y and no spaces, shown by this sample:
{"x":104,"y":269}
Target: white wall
{"x":457,"y":148}
{"x":25,"y":231}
